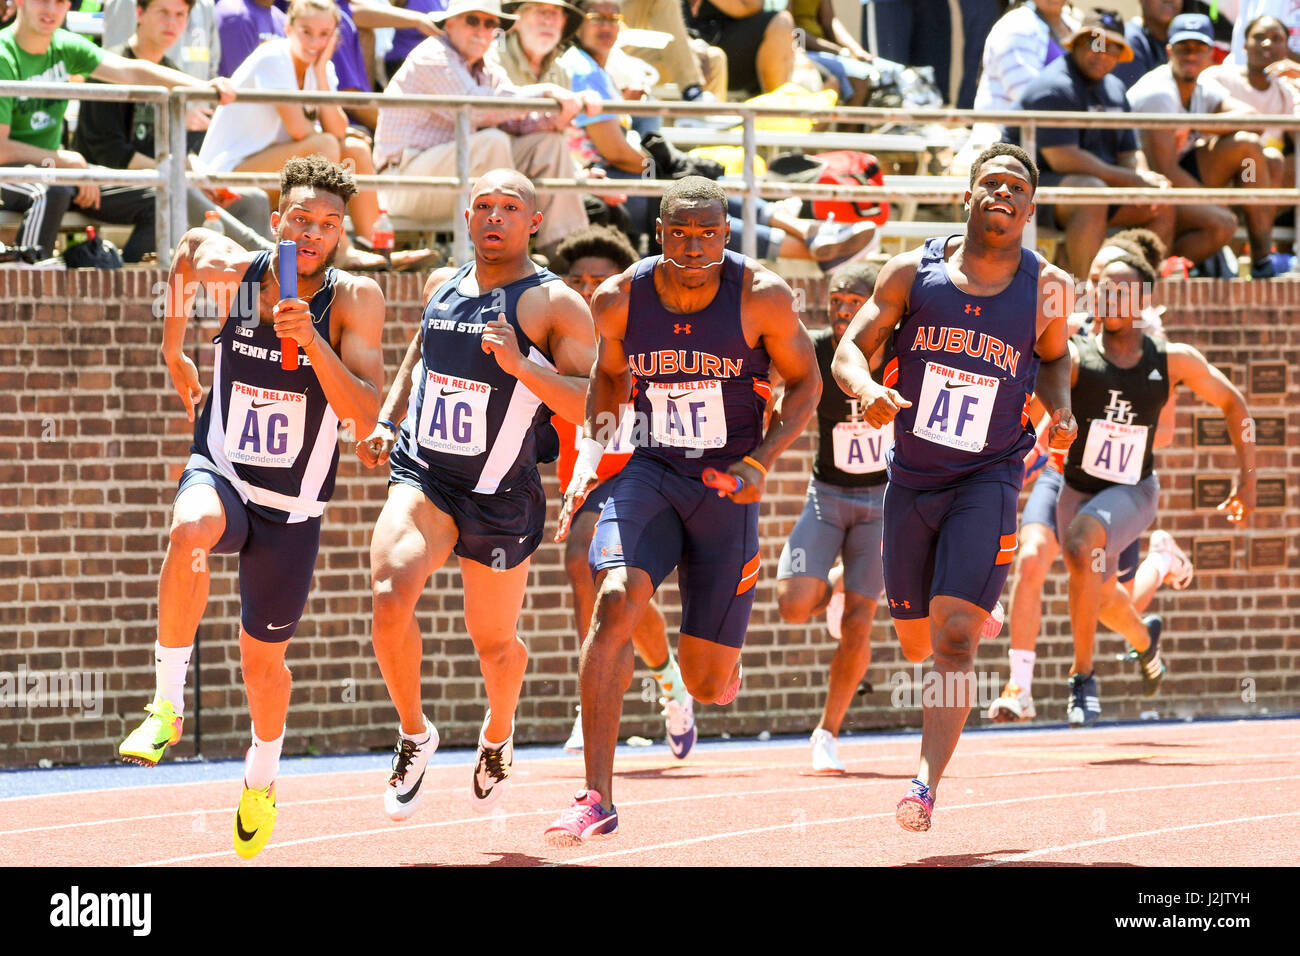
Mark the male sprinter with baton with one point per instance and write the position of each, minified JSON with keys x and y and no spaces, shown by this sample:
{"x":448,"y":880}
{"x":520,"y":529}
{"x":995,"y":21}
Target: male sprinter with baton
{"x":264,"y":455}
{"x":691,"y":334}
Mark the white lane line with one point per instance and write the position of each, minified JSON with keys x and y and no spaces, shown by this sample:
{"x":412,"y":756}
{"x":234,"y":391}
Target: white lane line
{"x":871,"y":816}
{"x":1133,"y":836}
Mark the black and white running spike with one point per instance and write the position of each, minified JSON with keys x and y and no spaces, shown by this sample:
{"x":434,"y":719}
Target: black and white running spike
{"x":402,"y":795}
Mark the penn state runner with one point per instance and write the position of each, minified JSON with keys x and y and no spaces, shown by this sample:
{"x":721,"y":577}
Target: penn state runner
{"x":264,"y":457}
{"x":971,"y":319}
{"x":501,"y":343}
{"x":593,"y":255}
{"x":693,"y":334}
{"x":1120,"y":381}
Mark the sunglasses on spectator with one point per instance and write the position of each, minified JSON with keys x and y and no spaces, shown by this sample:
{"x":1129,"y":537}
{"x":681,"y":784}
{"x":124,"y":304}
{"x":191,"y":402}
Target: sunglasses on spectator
{"x":473,"y":21}
{"x":605,"y":17}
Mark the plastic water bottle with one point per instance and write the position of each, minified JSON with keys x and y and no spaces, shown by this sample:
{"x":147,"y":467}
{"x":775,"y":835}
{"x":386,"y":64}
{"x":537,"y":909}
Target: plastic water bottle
{"x":212,"y":220}
{"x":382,"y":238}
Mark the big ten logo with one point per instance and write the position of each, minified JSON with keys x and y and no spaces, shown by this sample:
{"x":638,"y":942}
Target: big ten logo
{"x":49,"y":430}
{"x":649,"y":690}
{"x":1248,"y":690}
{"x":1098,"y":824}
{"x":649,"y":170}
{"x":798,"y":560}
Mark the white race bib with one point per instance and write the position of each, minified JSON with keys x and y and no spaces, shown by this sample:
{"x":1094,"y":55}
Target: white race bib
{"x":688,"y":414}
{"x":453,"y":416}
{"x":1114,"y":452}
{"x":860,"y":447}
{"x":955,"y":407}
{"x":264,"y":426}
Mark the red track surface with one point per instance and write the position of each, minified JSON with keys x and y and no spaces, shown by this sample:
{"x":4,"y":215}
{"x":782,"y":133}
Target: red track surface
{"x":1166,"y":794}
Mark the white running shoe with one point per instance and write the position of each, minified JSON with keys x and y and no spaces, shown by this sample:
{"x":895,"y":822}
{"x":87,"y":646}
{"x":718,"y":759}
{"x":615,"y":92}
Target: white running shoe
{"x":680,"y":718}
{"x":574,"y":744}
{"x":1014,"y":706}
{"x":824,"y":759}
{"x":1181,"y":568}
{"x":491,"y":770}
{"x":402,"y":795}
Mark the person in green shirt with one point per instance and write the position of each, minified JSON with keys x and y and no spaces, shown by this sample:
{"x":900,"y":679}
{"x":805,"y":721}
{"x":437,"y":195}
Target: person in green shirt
{"x":35,"y":48}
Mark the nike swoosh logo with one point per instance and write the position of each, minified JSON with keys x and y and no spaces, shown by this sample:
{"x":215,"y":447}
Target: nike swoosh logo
{"x":166,"y":741}
{"x":239,"y":828}
{"x":455,"y":391}
{"x":410,"y":795}
{"x":262,"y":404}
{"x":276,"y":627}
{"x":958,"y":385}
{"x":676,"y":397}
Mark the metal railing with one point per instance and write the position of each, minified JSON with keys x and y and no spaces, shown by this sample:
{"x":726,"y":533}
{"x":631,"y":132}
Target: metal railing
{"x":171,"y":178}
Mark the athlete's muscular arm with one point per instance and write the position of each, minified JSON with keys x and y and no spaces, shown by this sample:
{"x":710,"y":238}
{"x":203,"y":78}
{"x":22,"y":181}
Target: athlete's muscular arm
{"x":567,"y":333}
{"x":353,"y":377}
{"x":610,"y":383}
{"x":1055,"y":303}
{"x":375,"y":449}
{"x":867,"y":332}
{"x":203,"y":258}
{"x":1189,"y":367}
{"x":770,"y":301}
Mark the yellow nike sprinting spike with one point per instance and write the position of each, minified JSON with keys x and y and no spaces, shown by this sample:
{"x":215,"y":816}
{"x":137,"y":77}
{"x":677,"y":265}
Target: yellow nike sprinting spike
{"x":146,"y":744}
{"x":254,"y":820}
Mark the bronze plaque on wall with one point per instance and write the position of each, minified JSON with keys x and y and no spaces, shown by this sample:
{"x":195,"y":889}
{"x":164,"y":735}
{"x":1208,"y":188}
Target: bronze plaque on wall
{"x":1270,"y":493}
{"x":1268,"y":378}
{"x":1212,"y":554}
{"x":1208,"y":492}
{"x":1270,"y":431}
{"x":1267,"y":553}
{"x":1212,"y":432}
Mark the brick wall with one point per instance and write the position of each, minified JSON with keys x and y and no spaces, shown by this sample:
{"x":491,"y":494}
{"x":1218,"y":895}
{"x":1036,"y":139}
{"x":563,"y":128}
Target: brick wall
{"x":92,"y":439}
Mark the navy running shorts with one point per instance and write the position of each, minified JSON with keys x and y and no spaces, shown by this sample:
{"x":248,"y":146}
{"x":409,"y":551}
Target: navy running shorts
{"x":956,"y":541}
{"x":276,"y":560}
{"x":1124,"y":511}
{"x":838,"y":520}
{"x":656,"y":519}
{"x":499,"y":530}
{"x":1041,"y":509}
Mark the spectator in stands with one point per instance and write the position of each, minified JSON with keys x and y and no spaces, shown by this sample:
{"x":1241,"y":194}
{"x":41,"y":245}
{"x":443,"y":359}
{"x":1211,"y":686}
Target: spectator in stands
{"x":407,"y":39}
{"x":1022,"y":42}
{"x":1148,"y":35}
{"x":35,"y":48}
{"x":602,"y":140}
{"x":915,"y":32}
{"x":1244,"y":12}
{"x":243,"y":25}
{"x":1187,"y":158}
{"x":529,"y":52}
{"x":759,"y":43}
{"x":1265,"y":89}
{"x":197,"y":51}
{"x":830,"y":45}
{"x":120,"y":135}
{"x":978,"y":18}
{"x":1080,"y":82}
{"x":697,"y":69}
{"x":350,"y":61}
{"x":418,"y":141}
{"x":260,"y":137}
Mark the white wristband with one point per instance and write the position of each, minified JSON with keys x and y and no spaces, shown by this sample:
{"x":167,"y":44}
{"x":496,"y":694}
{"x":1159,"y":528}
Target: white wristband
{"x":590,"y":452}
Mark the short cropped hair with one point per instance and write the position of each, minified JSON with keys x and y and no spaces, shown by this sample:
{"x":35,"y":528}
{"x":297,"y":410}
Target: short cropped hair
{"x":145,"y":4}
{"x":319,"y":173}
{"x":1005,"y":149}
{"x":691,"y":189}
{"x":606,"y":242}
{"x":854,"y":274}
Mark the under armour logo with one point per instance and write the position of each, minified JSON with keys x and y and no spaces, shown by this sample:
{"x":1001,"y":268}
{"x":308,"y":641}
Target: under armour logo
{"x":972,"y":309}
{"x":906,"y":605}
{"x":680,"y":329}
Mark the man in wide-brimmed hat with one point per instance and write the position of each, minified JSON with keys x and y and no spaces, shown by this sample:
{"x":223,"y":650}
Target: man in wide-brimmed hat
{"x":417,"y":141}
{"x":1081,"y":82}
{"x":529,"y":50}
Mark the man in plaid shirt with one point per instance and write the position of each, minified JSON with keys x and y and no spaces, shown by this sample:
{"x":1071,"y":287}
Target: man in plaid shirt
{"x":417,"y":141}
